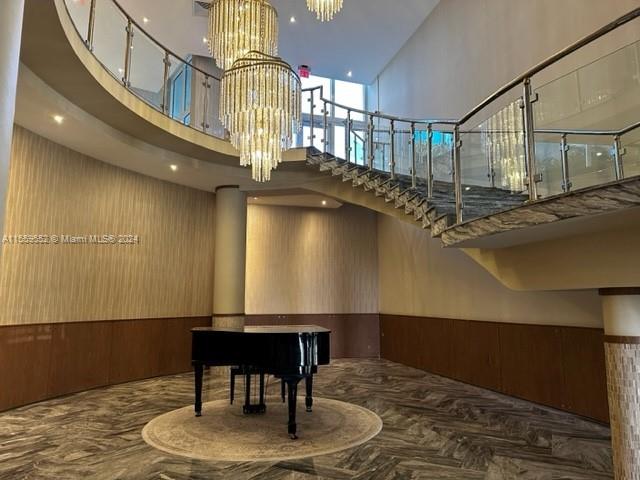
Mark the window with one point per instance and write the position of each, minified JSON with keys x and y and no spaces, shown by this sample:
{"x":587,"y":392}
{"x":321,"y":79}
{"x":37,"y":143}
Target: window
{"x":344,"y":93}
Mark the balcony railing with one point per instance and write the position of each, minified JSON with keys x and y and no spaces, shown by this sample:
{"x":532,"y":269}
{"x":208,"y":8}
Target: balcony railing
{"x":532,"y":141}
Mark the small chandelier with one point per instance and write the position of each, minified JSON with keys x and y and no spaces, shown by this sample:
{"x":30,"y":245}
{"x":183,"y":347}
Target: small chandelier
{"x":324,"y":9}
{"x":240,"y":26}
{"x":261,"y":108}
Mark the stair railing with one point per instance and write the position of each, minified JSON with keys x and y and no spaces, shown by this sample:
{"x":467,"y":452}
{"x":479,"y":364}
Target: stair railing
{"x":185,"y":92}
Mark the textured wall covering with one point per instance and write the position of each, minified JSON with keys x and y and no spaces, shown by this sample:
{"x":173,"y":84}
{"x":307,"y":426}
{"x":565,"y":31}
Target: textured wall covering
{"x":419,"y":277}
{"x":53,"y":190}
{"x":311,"y":260}
{"x":623,"y":385}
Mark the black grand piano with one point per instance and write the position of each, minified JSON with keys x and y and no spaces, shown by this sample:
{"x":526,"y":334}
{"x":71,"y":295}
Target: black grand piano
{"x":290,"y":353}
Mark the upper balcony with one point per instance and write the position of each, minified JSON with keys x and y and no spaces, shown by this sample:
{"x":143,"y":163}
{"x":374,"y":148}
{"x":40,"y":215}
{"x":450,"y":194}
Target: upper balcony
{"x":548,"y":146}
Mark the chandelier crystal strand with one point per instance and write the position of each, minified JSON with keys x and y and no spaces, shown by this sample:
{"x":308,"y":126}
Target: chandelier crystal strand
{"x":240,"y":26}
{"x":261,"y":108}
{"x":324,"y":9}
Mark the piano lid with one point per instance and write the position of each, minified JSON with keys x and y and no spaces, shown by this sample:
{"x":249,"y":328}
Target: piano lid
{"x":273,"y":329}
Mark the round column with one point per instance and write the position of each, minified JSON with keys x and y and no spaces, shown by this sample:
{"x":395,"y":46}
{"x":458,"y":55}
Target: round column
{"x":230,"y":257}
{"x":621,"y":314}
{"x":10,"y":30}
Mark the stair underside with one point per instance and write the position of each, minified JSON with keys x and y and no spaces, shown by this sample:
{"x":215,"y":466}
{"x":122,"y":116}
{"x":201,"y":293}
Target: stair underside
{"x":438,"y":213}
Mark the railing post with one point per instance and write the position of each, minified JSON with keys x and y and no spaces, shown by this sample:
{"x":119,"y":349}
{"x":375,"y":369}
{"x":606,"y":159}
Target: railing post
{"x":165,"y":82}
{"x":127,"y":54}
{"x":429,"y":161}
{"x":312,"y":121}
{"x":325,"y":126}
{"x":457,"y":173}
{"x":91,"y":26}
{"x":205,"y":105}
{"x":618,"y":152}
{"x":414,"y":180}
{"x":392,"y":141}
{"x":564,"y":151}
{"x":529,"y":140}
{"x":347,"y":137}
{"x":371,"y":153}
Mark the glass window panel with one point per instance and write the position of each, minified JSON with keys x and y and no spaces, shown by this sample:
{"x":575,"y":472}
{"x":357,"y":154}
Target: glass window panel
{"x":338,"y":142}
{"x":311,"y":82}
{"x":351,"y":95}
{"x":318,"y":141}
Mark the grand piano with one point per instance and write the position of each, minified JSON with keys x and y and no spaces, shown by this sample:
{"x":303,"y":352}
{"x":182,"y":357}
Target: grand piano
{"x":290,"y":353}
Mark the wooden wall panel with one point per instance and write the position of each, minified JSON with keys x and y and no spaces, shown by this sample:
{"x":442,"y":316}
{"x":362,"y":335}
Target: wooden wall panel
{"x":562,"y":367}
{"x":80,"y":354}
{"x":352,"y":335}
{"x":583,"y":360}
{"x":53,"y":191}
{"x":531,"y":362}
{"x":46,"y":361}
{"x":24,"y":364}
{"x":476,"y":353}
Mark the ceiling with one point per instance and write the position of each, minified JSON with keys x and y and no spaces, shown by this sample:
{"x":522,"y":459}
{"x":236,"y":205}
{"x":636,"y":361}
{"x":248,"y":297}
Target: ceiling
{"x":373,"y":30}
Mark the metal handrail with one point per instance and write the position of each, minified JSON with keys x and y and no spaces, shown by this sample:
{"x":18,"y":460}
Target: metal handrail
{"x":450,"y":126}
{"x":583,"y":42}
{"x":157,"y":43}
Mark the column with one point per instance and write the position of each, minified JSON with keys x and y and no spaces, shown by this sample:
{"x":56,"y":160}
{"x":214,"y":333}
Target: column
{"x":621,"y":314}
{"x":230,"y":257}
{"x":10,"y":30}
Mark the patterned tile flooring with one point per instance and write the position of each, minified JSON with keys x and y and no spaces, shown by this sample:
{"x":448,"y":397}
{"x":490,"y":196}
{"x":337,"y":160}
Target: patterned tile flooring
{"x":434,"y":428}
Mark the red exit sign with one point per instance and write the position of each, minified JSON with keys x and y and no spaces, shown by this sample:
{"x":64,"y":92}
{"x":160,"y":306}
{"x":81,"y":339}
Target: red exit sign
{"x":304,"y":71}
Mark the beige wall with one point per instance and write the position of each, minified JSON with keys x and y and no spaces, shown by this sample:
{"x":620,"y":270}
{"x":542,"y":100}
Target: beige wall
{"x":305,"y":260}
{"x":466,"y":49}
{"x":54,"y":190}
{"x":418,"y":277}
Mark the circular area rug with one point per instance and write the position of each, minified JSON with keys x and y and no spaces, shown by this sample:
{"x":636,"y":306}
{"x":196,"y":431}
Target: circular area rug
{"x":223,"y":433}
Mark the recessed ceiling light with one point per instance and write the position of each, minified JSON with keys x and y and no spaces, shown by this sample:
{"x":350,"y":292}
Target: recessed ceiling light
{"x":467,"y":188}
{"x":599,"y":154}
{"x":145,"y":19}
{"x":324,"y":202}
{"x":58,"y":119}
{"x":255,"y":198}
{"x":292,"y":19}
{"x":204,"y":40}
{"x":120,"y":70}
{"x":173,"y":167}
{"x":349,"y":74}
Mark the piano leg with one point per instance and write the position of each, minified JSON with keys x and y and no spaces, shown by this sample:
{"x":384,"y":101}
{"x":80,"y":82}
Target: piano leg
{"x":283,"y":389}
{"x":247,"y":394}
{"x":292,"y":384}
{"x":198,"y":370}
{"x":308,"y":400}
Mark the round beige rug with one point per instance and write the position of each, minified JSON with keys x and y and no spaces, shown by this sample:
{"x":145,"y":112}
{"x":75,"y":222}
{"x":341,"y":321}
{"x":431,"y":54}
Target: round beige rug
{"x":223,"y":433}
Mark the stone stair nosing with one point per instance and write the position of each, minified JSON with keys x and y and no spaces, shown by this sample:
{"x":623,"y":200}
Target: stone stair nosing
{"x":436,"y":213}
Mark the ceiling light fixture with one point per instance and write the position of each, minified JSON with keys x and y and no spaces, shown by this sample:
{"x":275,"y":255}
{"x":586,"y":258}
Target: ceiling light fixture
{"x":261,"y":108}
{"x":349,"y":74}
{"x":324,"y":9}
{"x":145,"y":20}
{"x":292,"y":19}
{"x":173,"y":167}
{"x":324,"y":203}
{"x":237,"y":27}
{"x":58,"y":119}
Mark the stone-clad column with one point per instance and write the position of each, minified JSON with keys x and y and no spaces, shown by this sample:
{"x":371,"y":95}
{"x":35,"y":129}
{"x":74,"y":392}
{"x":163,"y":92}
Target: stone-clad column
{"x":230,"y":257}
{"x":621,"y":313}
{"x":11,"y":12}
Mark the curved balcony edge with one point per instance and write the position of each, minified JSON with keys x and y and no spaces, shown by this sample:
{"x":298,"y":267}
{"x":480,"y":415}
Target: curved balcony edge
{"x":53,"y":50}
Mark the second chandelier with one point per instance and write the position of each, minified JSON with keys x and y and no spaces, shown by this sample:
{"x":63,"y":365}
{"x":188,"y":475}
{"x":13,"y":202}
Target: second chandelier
{"x":325,"y":9}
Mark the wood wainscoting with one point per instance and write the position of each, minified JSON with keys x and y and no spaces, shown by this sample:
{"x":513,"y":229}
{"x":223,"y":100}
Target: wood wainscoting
{"x":562,"y":367}
{"x":48,"y":360}
{"x":353,"y":335}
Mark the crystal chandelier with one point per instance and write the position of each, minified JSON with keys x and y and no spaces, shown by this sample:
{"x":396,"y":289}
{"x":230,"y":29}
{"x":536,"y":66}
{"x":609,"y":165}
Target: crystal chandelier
{"x":240,"y":26}
{"x":260,"y":106}
{"x":324,"y":9}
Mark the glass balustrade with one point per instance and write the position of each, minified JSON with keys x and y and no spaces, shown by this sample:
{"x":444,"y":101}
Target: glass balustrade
{"x":602,"y":96}
{"x":147,"y":69}
{"x":110,"y":38}
{"x":582,"y":127}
